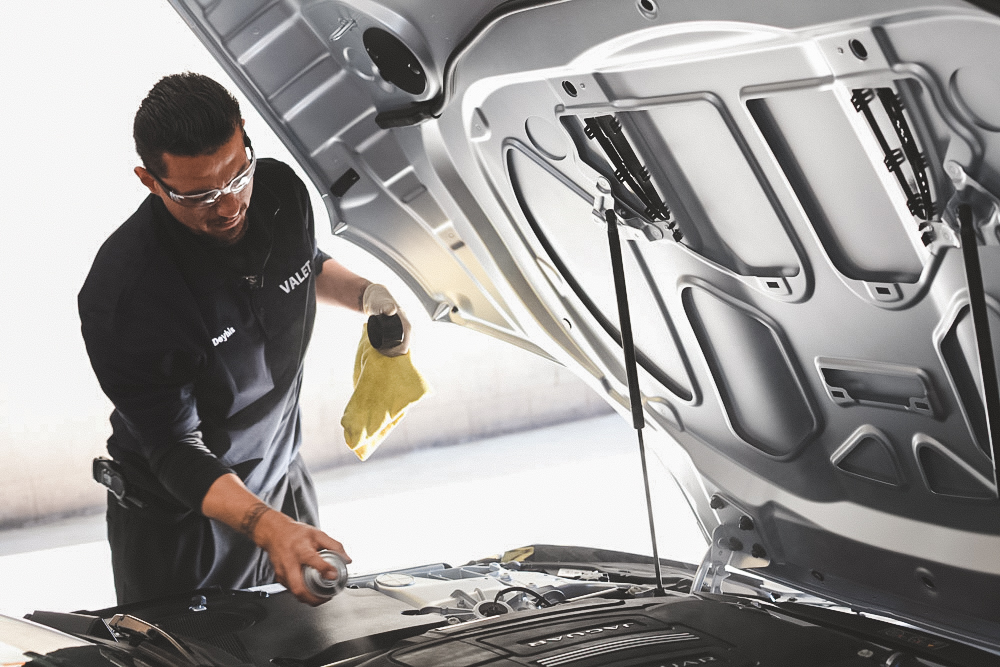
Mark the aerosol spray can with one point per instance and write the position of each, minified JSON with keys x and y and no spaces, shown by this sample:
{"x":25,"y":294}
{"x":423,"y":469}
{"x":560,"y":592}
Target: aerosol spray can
{"x":320,"y":586}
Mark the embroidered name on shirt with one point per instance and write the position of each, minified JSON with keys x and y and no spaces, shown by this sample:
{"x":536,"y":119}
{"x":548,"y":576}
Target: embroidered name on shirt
{"x":224,"y":337}
{"x":296,"y":278}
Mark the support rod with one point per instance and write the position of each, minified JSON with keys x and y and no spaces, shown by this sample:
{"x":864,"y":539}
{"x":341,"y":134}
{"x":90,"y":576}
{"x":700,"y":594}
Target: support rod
{"x":981,"y":322}
{"x":632,"y":373}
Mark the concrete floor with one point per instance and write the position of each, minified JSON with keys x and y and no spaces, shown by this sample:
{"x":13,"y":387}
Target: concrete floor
{"x":576,"y":483}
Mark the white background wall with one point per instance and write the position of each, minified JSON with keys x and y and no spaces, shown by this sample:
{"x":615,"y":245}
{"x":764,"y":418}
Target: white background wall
{"x":71,"y":77}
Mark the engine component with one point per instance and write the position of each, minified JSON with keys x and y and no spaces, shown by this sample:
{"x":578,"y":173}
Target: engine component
{"x":479,"y":591}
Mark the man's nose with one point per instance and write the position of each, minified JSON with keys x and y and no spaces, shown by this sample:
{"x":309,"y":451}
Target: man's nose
{"x":228,"y":205}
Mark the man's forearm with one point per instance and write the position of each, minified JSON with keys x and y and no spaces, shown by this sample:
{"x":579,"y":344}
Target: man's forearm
{"x":289,"y":544}
{"x":339,"y":286}
{"x":252,"y":518}
{"x":230,"y":502}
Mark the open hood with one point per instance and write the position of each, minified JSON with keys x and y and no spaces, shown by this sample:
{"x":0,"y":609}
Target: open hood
{"x":790,"y":180}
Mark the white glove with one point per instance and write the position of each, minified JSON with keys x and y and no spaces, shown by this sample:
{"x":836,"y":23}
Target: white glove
{"x":376,"y":300}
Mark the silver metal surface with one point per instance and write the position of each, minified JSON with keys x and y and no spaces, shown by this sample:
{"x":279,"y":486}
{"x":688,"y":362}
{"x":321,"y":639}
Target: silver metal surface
{"x":806,"y":348}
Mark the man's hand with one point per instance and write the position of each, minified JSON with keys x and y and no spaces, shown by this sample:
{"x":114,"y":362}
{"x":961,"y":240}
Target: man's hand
{"x":336,"y":285}
{"x":376,"y":300}
{"x":288,"y":543}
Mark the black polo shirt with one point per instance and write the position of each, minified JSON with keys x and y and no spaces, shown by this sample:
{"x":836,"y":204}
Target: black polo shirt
{"x":200,"y":346}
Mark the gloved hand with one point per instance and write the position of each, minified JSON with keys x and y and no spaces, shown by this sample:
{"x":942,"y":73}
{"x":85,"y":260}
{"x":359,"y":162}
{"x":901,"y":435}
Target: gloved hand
{"x":376,"y":300}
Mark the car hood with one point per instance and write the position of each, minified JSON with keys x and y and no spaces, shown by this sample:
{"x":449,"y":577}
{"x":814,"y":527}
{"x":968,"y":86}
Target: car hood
{"x":786,"y":177}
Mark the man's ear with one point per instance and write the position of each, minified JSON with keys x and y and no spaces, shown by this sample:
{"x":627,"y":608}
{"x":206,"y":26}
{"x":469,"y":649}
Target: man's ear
{"x":147,"y":179}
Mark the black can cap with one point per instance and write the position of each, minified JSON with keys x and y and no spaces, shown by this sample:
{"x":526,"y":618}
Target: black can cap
{"x":385,"y":331}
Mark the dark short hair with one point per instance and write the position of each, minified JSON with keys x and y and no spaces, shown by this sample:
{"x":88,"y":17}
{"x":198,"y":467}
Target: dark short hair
{"x":183,"y":114}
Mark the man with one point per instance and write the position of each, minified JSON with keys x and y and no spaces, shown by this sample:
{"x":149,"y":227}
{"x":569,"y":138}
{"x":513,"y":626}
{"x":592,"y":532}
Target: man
{"x":196,"y":315}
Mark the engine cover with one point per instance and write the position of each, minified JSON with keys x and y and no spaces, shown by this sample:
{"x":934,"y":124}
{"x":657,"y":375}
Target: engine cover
{"x":669,"y":632}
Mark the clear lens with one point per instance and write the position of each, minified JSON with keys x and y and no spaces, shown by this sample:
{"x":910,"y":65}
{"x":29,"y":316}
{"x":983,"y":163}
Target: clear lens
{"x":203,"y":199}
{"x":208,"y":198}
{"x":242,"y":180}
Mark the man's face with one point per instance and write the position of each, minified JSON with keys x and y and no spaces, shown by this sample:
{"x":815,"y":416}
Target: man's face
{"x":226,"y":219}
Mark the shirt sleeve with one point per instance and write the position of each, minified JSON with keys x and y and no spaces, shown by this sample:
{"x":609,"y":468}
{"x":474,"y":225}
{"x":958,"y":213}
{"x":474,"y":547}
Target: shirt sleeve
{"x":141,"y":359}
{"x":318,"y":258}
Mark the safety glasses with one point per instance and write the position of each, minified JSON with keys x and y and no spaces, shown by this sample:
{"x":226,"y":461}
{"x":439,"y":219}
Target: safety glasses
{"x":210,"y":197}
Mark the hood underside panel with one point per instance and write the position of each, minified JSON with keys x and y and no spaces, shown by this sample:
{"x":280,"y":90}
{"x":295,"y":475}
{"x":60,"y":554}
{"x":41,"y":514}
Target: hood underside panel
{"x":787,"y":177}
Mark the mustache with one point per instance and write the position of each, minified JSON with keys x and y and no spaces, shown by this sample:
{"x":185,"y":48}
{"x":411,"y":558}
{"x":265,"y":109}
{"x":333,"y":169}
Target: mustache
{"x":219,"y":220}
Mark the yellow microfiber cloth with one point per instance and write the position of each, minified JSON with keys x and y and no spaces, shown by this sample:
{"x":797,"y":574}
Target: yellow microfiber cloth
{"x":384,"y":389}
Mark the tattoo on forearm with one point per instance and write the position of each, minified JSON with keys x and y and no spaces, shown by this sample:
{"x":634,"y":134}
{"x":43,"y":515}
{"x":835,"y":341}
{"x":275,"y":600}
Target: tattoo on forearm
{"x":252,"y":518}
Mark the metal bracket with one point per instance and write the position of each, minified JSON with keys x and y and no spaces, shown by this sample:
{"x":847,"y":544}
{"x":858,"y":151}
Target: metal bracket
{"x":985,"y":206}
{"x":712,"y":569}
{"x":635,"y":228}
{"x":918,"y":196}
{"x":632,"y":183}
{"x":442,"y":311}
{"x":632,"y":227}
{"x":736,"y":543}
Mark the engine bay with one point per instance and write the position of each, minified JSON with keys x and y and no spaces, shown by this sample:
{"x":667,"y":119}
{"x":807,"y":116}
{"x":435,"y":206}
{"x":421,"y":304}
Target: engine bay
{"x":540,"y":605}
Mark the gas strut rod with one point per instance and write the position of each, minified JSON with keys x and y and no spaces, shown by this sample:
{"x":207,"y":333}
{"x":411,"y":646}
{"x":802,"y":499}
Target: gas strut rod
{"x":981,"y":324}
{"x":631,"y":372}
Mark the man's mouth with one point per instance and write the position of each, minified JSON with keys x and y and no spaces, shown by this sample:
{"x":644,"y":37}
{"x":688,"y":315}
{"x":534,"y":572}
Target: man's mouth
{"x":223,"y":224}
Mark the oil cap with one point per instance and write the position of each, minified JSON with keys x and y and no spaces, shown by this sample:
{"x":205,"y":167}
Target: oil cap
{"x":385,"y":331}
